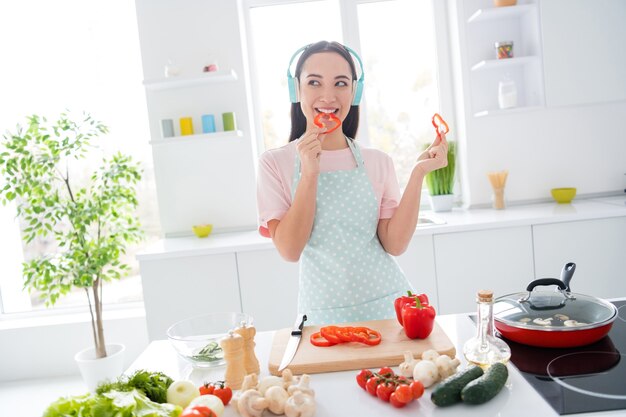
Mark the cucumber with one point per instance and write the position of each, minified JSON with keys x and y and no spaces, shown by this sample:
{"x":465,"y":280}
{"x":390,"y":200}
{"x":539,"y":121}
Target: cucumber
{"x":448,"y":392}
{"x":487,"y":386}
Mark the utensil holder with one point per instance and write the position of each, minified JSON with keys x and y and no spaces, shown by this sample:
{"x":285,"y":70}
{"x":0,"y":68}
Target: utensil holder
{"x":498,"y":198}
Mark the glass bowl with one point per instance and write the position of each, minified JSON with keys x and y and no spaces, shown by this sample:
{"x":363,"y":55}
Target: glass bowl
{"x":196,"y":339}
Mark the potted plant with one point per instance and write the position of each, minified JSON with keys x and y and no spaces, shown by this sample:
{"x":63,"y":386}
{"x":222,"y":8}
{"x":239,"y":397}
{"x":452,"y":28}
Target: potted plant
{"x":92,"y":222}
{"x":441,"y":182}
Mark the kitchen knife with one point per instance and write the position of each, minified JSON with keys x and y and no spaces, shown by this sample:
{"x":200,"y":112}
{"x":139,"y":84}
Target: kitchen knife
{"x":294,"y":341}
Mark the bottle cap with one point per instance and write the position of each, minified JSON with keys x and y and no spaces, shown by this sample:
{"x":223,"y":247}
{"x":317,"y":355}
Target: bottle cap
{"x":484,"y":296}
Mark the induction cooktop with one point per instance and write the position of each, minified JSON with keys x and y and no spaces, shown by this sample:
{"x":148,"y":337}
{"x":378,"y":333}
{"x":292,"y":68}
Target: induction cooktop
{"x":582,"y":379}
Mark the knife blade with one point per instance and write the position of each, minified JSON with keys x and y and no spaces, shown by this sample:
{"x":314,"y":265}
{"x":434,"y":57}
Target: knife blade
{"x":294,"y":341}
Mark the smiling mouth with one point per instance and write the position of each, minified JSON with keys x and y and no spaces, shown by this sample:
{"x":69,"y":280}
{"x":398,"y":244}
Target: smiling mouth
{"x":327,"y":111}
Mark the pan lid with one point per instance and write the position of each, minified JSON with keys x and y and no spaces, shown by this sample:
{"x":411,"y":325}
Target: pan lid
{"x":556,"y":310}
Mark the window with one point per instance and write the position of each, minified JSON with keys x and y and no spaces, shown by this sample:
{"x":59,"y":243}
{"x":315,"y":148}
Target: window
{"x":81,"y":56}
{"x":398,"y":45}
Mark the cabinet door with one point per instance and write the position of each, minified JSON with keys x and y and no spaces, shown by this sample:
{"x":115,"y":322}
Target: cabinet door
{"x":269,"y":288}
{"x":418,"y":264}
{"x":597,"y":247}
{"x":179,"y":288}
{"x":500,"y":260}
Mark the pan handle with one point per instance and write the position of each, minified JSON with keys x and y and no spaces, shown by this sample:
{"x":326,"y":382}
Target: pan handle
{"x":567,"y":273}
{"x":546,"y":281}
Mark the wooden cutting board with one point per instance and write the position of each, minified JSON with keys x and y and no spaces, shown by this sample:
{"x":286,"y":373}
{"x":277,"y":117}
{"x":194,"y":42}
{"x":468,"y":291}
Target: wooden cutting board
{"x":311,"y":359}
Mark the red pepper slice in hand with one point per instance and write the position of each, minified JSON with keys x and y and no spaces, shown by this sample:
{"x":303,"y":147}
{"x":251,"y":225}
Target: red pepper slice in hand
{"x":440,"y":125}
{"x":418,"y":320}
{"x":330,"y":121}
{"x":407,"y":299}
{"x":318,"y":340}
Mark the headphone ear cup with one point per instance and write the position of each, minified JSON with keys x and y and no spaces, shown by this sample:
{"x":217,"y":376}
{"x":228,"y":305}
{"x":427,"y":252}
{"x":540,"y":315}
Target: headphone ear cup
{"x":358,"y":92}
{"x":292,"y":85}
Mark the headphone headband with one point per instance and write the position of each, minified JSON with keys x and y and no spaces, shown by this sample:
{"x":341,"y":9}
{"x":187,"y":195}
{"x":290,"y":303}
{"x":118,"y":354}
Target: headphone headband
{"x":292,"y":83}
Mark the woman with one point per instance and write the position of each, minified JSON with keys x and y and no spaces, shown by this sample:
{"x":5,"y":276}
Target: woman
{"x":335,"y":206}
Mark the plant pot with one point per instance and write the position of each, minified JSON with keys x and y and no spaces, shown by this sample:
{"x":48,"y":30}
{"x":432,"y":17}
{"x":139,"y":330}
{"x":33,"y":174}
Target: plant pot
{"x":94,"y":370}
{"x":442,"y":202}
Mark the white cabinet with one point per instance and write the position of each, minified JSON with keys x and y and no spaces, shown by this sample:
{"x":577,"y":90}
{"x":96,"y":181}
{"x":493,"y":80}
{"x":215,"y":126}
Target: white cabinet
{"x":418,"y":265}
{"x":481,"y":26}
{"x":178,"y":288}
{"x":497,"y":259}
{"x":269,"y":288}
{"x":597,"y":247}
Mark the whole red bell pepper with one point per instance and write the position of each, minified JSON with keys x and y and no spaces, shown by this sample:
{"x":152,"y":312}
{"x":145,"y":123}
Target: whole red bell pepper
{"x":418,"y":320}
{"x":407,"y":299}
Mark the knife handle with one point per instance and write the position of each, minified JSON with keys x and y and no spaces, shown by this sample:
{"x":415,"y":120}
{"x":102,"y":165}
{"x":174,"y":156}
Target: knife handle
{"x":298,"y":325}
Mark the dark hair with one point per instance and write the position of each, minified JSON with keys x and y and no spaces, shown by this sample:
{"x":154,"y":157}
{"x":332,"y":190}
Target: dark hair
{"x":298,"y":121}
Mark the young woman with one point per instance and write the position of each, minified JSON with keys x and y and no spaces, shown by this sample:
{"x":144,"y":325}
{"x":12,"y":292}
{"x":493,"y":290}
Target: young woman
{"x":334,"y":206}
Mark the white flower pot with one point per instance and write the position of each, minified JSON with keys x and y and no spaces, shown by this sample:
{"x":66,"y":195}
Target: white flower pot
{"x":95,"y":371}
{"x":441,"y":203}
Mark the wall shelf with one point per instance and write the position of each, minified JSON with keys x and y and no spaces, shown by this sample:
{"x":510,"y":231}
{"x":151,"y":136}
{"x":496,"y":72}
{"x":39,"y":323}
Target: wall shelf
{"x":501,"y":12}
{"x":205,"y":137}
{"x":181,"y":82}
{"x":501,"y":63}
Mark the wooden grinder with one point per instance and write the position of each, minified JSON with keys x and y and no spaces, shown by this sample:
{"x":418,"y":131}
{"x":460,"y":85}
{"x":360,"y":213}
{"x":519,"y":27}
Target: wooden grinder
{"x":232,"y":346}
{"x":250,"y":362}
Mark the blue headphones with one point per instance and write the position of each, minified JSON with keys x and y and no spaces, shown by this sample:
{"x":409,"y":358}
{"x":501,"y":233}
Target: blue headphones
{"x":292,"y":83}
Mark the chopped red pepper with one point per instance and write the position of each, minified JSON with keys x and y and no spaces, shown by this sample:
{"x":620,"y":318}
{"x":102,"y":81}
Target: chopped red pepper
{"x":440,"y":125}
{"x":366,"y":336}
{"x":329,"y":119}
{"x":330,"y":333}
{"x":198,"y":411}
{"x":333,"y":335}
{"x":418,"y":320}
{"x":407,"y":299}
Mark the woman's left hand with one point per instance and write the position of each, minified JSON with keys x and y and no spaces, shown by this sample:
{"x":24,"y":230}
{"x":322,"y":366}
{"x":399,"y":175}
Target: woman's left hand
{"x":435,"y":156}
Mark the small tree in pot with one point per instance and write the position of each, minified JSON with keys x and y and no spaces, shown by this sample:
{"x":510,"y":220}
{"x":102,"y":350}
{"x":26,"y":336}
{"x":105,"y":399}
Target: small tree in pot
{"x":92,"y":223}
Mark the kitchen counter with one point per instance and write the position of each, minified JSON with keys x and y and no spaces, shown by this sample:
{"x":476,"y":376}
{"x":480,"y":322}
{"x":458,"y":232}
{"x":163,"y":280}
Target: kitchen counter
{"x":458,"y":220}
{"x":337,"y":393}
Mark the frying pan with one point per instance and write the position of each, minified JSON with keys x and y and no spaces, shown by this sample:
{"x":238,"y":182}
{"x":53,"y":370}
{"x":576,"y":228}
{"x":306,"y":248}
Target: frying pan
{"x":556,"y":319}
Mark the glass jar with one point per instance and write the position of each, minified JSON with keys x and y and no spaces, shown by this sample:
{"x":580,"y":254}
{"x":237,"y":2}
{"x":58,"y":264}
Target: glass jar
{"x":485,"y":349}
{"x":504,"y":49}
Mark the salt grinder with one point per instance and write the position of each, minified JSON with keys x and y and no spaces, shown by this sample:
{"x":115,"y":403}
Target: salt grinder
{"x":232,"y":346}
{"x":250,"y":361}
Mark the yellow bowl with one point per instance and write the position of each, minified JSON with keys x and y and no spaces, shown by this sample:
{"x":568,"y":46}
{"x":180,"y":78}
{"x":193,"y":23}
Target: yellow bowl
{"x":563,"y":195}
{"x":202,"y":230}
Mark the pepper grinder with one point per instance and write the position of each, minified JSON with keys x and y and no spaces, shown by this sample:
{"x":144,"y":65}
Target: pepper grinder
{"x":251,"y":363}
{"x":232,"y":346}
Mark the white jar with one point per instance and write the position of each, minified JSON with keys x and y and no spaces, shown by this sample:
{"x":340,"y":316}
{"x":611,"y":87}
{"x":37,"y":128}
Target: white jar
{"x":507,"y":94}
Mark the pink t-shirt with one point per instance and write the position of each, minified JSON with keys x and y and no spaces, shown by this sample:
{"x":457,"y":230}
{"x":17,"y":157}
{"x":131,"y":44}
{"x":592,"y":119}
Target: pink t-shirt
{"x":275,"y":179}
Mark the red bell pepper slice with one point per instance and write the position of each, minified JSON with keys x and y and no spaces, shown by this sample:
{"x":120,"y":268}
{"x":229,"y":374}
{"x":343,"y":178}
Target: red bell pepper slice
{"x":440,"y":125}
{"x":366,"y":336}
{"x":198,"y":411}
{"x":407,"y":299}
{"x":328,"y":119}
{"x":330,"y":333}
{"x":318,"y":340}
{"x":418,"y":320}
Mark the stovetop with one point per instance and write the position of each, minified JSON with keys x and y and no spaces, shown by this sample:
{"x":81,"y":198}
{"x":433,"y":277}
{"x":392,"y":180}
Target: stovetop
{"x":578,"y":380}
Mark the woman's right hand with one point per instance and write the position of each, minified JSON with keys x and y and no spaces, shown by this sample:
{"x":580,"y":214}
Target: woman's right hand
{"x":309,"y":149}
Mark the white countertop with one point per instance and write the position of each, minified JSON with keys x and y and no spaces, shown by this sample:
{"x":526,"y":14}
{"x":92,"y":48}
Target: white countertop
{"x":337,"y":393}
{"x":458,"y":220}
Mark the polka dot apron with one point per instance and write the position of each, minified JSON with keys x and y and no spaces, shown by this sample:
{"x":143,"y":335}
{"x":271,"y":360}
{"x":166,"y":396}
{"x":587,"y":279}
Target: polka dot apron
{"x":345,"y":274}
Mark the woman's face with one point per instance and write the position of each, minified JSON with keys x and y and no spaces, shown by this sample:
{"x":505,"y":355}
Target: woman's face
{"x":325,"y":86}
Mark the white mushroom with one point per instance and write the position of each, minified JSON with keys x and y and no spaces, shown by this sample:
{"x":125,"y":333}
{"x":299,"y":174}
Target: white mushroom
{"x":250,"y":381}
{"x":543,"y":322}
{"x":430,"y":355}
{"x":269,"y":381}
{"x":561,"y":317}
{"x":406,"y":367}
{"x":524,"y":320}
{"x":446,"y":365}
{"x":426,"y":372}
{"x":288,"y":378}
{"x":303,"y":386}
{"x":251,"y":404}
{"x":300,"y":405}
{"x":573,"y":323}
{"x":276,"y":397}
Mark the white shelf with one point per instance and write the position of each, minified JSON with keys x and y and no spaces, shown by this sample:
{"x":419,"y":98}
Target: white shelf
{"x":501,"y":12}
{"x":500,"y":112}
{"x":180,"y":82}
{"x":205,"y":137}
{"x":506,"y":62}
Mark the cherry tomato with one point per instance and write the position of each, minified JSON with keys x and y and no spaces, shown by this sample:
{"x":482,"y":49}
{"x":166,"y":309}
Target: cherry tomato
{"x":393,"y":399}
{"x":404,"y":393}
{"x":417,"y":388}
{"x":363,"y":376}
{"x":384,"y":390}
{"x":206,"y":389}
{"x":371,"y":384}
{"x":386,"y":371}
{"x":223,"y":392}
